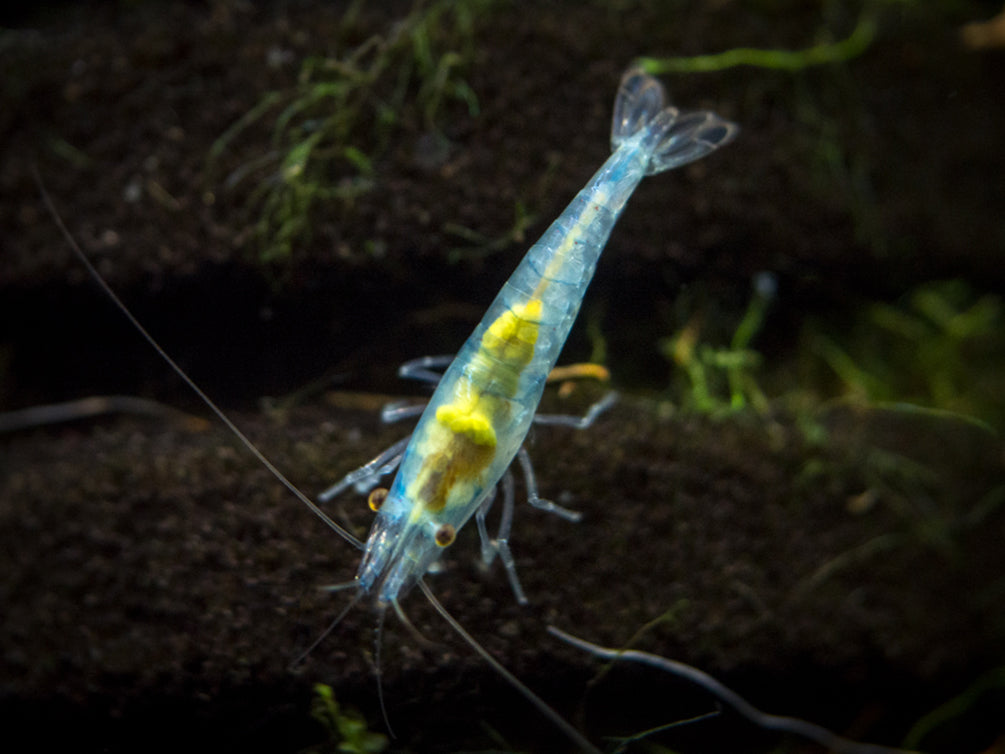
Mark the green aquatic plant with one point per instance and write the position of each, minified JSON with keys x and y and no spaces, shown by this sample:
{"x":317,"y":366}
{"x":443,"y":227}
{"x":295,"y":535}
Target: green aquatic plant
{"x":623,"y":742}
{"x":833,"y":129}
{"x":852,"y":46}
{"x":339,"y":116}
{"x":940,"y":349}
{"x":928,"y":365}
{"x":930,"y":514}
{"x":347,"y":730}
{"x":479,"y":246}
{"x":946,"y":720}
{"x":722,"y":379}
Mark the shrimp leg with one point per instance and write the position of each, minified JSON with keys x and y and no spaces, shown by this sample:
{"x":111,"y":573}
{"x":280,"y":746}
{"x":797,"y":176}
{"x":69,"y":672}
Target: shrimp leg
{"x":366,"y":477}
{"x":500,"y":545}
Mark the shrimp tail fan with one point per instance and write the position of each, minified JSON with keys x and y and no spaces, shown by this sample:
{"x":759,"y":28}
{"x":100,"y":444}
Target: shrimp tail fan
{"x":674,"y":138}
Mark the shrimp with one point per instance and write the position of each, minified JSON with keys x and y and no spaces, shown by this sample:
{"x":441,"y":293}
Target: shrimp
{"x":475,"y":423}
{"x":477,"y":419}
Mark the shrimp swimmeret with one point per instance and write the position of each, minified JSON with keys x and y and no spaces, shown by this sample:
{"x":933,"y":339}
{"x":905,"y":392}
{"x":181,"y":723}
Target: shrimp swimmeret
{"x":480,"y":413}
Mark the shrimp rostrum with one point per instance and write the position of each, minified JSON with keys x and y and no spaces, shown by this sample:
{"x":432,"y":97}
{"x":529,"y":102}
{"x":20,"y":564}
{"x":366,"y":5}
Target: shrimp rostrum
{"x":477,"y":419}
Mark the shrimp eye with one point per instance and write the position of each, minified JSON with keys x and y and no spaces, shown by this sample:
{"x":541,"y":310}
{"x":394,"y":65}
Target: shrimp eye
{"x":377,"y":497}
{"x":445,"y":535}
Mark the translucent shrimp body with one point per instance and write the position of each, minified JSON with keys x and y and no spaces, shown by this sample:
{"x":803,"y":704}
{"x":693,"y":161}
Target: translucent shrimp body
{"x":482,"y":409}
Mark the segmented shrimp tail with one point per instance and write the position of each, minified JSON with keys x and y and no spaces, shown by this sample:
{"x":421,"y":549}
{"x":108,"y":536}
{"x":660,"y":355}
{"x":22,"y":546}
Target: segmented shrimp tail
{"x":675,"y":138}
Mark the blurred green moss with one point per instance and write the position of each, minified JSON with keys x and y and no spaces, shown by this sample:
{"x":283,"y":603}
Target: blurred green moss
{"x":343,"y":112}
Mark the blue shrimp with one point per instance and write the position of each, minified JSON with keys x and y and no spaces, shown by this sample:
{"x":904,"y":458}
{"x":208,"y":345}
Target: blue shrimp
{"x":483,"y":406}
{"x":479,"y":415}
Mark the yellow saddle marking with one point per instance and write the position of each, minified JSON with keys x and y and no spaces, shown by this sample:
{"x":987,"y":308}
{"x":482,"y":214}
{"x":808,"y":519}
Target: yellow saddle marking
{"x":462,"y":443}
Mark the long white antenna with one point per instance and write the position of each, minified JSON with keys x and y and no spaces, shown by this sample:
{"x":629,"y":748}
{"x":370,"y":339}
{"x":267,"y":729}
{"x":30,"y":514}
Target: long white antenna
{"x":578,"y":738}
{"x":311,"y":505}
